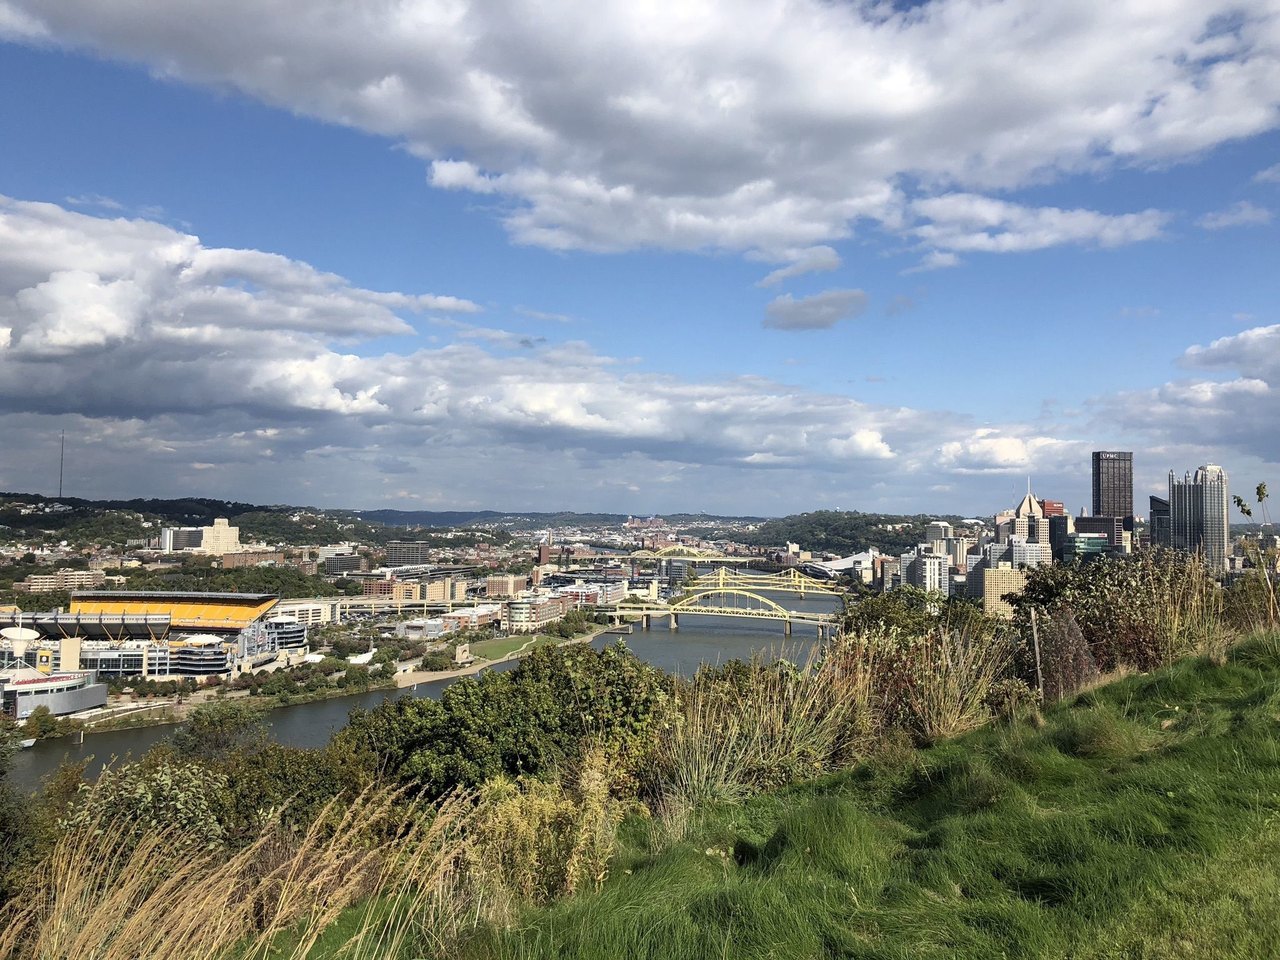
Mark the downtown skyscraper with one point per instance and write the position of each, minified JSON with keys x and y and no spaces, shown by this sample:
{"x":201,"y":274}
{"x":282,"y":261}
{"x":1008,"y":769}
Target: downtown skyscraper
{"x":1113,"y":483}
{"x":1199,"y":514}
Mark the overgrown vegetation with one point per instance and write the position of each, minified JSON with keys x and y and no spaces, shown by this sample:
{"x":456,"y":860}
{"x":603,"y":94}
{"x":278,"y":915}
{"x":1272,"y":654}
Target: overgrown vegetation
{"x":1141,"y":820}
{"x":932,"y":783}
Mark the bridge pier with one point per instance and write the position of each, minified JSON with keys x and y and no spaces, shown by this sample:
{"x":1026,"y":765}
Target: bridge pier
{"x":786,"y":628}
{"x":674,"y":623}
{"x":646,"y":621}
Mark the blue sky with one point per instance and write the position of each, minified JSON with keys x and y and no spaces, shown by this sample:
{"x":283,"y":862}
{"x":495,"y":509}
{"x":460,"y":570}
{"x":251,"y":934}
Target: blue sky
{"x":755,"y":257}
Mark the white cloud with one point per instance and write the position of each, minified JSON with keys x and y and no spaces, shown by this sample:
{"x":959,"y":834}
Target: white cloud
{"x":168,"y":352}
{"x":814,"y":260}
{"x":161,"y":356}
{"x":757,"y":125}
{"x":994,"y":451}
{"x":94,"y":200}
{"x":818,"y":312}
{"x":1242,"y":214}
{"x":1140,"y":313}
{"x":1223,"y":418}
{"x":72,"y":284}
{"x":544,"y":315}
{"x":1270,"y":175}
{"x":935,"y":260}
{"x":967,"y":222}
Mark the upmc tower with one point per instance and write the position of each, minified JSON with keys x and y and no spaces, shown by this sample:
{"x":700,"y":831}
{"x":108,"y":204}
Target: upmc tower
{"x":1112,"y":483}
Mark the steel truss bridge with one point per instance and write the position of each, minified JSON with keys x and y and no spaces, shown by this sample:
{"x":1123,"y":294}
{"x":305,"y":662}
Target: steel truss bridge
{"x":690,"y":554}
{"x":710,"y":602}
{"x":789,"y":581}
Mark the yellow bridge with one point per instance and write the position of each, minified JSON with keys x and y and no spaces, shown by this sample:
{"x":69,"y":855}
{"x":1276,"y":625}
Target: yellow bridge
{"x":788,"y":581}
{"x":692,"y":554}
{"x":709,"y":602}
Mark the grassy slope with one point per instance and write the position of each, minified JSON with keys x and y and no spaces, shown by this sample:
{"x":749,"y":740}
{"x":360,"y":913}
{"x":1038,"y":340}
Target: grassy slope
{"x":1142,"y":821}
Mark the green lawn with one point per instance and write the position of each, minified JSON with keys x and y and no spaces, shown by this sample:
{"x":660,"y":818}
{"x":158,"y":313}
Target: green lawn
{"x":502,"y":646}
{"x":1142,"y":821}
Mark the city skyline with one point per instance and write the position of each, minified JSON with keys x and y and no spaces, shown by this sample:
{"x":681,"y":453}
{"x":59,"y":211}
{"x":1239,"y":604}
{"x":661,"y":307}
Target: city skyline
{"x":750,"y":259}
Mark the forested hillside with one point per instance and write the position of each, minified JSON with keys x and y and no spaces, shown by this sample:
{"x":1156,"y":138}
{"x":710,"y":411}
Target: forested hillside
{"x":845,"y":531}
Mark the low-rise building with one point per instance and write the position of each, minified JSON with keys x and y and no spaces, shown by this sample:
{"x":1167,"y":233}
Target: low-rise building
{"x":401,"y":590}
{"x":532,"y":613}
{"x":504,"y":585}
{"x":309,"y":612}
{"x":472,"y":618}
{"x":23,"y":689}
{"x":61,"y":580}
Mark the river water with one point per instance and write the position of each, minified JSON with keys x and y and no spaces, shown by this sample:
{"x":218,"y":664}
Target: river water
{"x":699,"y":640}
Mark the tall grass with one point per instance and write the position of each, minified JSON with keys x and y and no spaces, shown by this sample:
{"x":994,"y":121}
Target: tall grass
{"x":536,"y":841}
{"x":955,"y":675}
{"x":769,"y":723}
{"x":107,"y":893}
{"x":765,"y":724}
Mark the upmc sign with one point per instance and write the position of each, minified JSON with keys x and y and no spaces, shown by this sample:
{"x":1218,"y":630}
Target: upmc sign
{"x":1111,"y":456}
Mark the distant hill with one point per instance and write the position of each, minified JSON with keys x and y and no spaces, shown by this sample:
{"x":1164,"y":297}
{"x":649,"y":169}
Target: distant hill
{"x":522,"y":519}
{"x":846,"y":531}
{"x":187,"y":511}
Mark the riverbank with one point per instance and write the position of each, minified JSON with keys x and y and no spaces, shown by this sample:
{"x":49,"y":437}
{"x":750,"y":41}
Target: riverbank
{"x":414,"y":677}
{"x":128,"y":715}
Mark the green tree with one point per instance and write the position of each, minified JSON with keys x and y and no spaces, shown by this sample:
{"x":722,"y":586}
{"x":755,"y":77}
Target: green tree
{"x":523,"y":722}
{"x":216,"y":730}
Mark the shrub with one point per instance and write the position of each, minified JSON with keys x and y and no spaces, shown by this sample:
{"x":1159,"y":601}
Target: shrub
{"x":186,"y":801}
{"x":1140,"y":611}
{"x":525,"y":722}
{"x":1066,"y":665}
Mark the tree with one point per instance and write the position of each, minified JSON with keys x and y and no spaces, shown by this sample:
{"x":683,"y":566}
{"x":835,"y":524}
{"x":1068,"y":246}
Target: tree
{"x":1261,"y":561}
{"x":219,"y":729}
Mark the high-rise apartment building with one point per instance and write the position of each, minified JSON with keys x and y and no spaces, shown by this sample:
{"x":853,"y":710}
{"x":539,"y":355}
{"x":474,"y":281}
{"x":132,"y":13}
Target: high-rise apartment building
{"x":1199,"y":514}
{"x":1112,"y":483}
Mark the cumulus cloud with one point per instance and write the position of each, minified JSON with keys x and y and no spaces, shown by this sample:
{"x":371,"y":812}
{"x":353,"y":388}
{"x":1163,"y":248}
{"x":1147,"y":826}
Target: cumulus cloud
{"x":818,"y":312}
{"x":994,"y":451}
{"x":179,"y":368}
{"x":1270,"y":175}
{"x":1242,"y":214}
{"x":757,"y":125}
{"x":173,"y":355}
{"x":1227,"y":417}
{"x":242,"y":373}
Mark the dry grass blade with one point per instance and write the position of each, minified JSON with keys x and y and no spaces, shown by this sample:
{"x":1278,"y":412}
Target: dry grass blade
{"x":106,"y":892}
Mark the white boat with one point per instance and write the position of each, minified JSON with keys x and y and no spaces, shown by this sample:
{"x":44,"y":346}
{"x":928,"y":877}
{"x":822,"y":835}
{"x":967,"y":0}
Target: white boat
{"x":27,"y":744}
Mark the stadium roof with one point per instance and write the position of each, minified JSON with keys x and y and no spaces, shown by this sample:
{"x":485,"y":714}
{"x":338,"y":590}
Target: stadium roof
{"x":115,"y":628}
{"x":186,"y":610}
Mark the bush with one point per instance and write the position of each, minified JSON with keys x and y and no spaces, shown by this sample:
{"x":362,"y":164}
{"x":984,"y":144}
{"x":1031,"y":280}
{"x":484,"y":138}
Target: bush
{"x":1140,"y":611}
{"x":184,"y":800}
{"x":437,"y":661}
{"x":525,"y":722}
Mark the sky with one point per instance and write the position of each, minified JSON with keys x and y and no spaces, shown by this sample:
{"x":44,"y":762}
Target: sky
{"x":733,"y":256}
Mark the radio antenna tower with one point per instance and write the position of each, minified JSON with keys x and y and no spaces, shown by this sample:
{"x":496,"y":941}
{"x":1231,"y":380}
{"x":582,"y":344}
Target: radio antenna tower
{"x":62,"y":459}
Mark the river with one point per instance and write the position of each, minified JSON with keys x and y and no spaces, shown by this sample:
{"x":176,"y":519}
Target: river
{"x":700,"y":640}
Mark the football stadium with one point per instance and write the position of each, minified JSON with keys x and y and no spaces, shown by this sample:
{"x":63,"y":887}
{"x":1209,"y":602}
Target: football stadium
{"x":154,"y":634}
